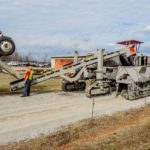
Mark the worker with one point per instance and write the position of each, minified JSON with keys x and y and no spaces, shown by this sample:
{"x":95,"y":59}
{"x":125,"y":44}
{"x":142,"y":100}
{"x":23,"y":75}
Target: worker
{"x":28,"y":80}
{"x":131,"y":54}
{"x":1,"y":34}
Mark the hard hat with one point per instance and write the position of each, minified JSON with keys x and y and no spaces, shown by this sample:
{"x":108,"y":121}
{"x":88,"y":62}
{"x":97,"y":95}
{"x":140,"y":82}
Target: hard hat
{"x":30,"y":67}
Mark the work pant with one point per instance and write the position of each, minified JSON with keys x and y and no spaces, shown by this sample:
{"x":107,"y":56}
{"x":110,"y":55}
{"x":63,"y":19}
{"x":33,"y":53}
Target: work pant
{"x":131,"y":60}
{"x":27,"y":87}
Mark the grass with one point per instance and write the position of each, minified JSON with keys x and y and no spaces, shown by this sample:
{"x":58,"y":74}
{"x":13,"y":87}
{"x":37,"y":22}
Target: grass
{"x":47,"y":86}
{"x":127,"y":130}
{"x":50,"y":85}
{"x":5,"y":79}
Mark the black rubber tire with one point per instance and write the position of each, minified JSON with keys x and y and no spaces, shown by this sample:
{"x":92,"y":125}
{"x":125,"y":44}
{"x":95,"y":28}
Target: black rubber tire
{"x":64,"y":88}
{"x":8,"y":41}
{"x":82,"y":86}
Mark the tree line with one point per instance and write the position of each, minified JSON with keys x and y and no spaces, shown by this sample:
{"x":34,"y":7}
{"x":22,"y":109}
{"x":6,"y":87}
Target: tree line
{"x":16,"y":56}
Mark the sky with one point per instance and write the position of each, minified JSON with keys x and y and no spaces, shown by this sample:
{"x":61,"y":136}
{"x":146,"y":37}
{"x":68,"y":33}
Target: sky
{"x":59,"y":27}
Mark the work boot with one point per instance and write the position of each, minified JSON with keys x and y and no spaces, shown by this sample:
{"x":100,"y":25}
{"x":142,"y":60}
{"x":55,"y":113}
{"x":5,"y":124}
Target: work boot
{"x":23,"y":95}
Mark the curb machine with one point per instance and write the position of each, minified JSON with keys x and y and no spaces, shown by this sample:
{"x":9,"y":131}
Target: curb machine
{"x":7,"y":47}
{"x":133,"y":82}
{"x":107,"y":72}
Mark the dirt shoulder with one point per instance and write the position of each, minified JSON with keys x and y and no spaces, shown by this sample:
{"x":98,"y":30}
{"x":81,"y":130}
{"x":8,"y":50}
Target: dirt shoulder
{"x":123,"y":130}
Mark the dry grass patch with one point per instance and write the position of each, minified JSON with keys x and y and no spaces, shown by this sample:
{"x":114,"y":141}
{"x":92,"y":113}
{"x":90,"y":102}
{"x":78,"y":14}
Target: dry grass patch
{"x":47,"y":86}
{"x":5,"y":79}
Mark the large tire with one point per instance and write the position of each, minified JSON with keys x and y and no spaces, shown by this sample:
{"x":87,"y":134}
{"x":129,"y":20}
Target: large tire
{"x":7,"y":46}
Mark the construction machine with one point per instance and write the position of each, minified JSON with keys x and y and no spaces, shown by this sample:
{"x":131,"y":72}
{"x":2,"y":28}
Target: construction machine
{"x":7,"y":47}
{"x":74,"y":76}
{"x":133,"y":82}
{"x":132,"y":78}
{"x":107,"y":71}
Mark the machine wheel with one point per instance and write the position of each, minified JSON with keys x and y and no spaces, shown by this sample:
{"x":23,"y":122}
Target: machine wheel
{"x":81,"y":85}
{"x":98,"y":88}
{"x":7,"y":46}
{"x":124,"y":93}
{"x":66,"y":86}
{"x":73,"y":86}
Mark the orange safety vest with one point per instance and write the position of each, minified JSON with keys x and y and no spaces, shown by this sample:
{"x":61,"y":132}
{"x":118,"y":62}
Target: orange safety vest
{"x":28,"y":75}
{"x":132,"y":51}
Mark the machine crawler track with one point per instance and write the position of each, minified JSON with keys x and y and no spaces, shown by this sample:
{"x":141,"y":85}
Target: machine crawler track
{"x":73,"y":86}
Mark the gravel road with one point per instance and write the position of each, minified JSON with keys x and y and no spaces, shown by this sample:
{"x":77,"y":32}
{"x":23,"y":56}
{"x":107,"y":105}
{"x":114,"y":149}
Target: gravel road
{"x":29,"y":117}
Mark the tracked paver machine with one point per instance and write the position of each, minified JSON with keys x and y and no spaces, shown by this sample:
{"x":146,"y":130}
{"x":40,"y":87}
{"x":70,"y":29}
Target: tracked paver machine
{"x":107,"y":71}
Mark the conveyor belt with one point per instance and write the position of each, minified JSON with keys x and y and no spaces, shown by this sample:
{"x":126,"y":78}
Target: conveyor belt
{"x":61,"y":73}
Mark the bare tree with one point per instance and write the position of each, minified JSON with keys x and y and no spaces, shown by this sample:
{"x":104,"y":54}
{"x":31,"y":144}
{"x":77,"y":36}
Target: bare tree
{"x":45,"y":57}
{"x":16,"y":56}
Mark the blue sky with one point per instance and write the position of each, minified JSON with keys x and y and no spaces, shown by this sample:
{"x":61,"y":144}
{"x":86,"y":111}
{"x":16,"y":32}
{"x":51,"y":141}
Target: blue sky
{"x":62,"y":26}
